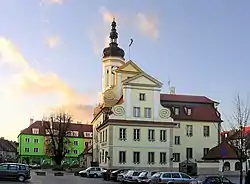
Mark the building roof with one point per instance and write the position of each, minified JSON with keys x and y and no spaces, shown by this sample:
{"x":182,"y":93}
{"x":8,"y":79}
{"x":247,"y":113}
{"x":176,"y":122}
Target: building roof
{"x":186,"y":98}
{"x":6,"y":145}
{"x":224,"y":151}
{"x":72,"y":127}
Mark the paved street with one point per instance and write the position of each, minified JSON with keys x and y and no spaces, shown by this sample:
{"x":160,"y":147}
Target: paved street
{"x":69,"y":178}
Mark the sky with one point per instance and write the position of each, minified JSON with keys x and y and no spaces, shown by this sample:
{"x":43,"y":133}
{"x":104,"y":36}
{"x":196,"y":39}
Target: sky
{"x":50,"y":52}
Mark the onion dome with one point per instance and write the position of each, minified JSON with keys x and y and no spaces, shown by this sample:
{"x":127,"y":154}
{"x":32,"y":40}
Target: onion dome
{"x":113,"y":50}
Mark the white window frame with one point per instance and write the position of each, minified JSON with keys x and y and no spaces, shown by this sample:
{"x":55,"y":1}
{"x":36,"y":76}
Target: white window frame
{"x":36,"y":150}
{"x":35,"y":130}
{"x":147,"y":112}
{"x":26,"y":150}
{"x":177,"y":140}
{"x":151,"y":134}
{"x":36,"y":141}
{"x":176,"y":110}
{"x":151,"y":157}
{"x":27,"y":139}
{"x":136,"y":135}
{"x":137,"y":112}
{"x":123,"y":134}
{"x":163,"y":135}
{"x":136,"y":157}
{"x":206,"y":131}
{"x":163,"y":157}
{"x":122,"y":157}
{"x":142,"y":97}
{"x":189,"y":130}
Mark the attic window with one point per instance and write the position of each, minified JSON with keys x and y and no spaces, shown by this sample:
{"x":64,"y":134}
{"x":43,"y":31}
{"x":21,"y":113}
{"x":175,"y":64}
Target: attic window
{"x":189,"y":111}
{"x":35,"y":130}
{"x":142,"y":97}
{"x":176,"y":110}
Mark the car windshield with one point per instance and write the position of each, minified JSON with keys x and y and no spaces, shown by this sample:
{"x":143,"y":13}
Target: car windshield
{"x":157,"y":175}
{"x":143,"y":174}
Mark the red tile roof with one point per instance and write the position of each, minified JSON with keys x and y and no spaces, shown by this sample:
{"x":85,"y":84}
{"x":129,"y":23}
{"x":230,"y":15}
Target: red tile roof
{"x":81,"y":128}
{"x":185,"y":98}
{"x":223,"y":151}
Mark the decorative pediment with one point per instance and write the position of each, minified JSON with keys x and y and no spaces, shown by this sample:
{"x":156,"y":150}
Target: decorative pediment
{"x":129,"y":67}
{"x":143,"y":79}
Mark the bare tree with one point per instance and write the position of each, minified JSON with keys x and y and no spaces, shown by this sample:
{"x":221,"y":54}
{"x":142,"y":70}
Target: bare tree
{"x":56,"y":129}
{"x":239,"y":139}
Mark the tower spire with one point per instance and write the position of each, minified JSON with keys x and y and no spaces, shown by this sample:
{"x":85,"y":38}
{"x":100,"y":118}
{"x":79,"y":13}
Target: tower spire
{"x":113,"y":50}
{"x":113,"y":34}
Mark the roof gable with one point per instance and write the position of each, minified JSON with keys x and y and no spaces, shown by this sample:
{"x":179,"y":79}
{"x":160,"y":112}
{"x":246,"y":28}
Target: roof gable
{"x":142,"y":79}
{"x":130,"y":66}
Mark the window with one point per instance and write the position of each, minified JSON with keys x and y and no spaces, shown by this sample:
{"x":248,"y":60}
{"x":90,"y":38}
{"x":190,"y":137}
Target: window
{"x":75,"y":143}
{"x":137,"y":112}
{"x":151,"y":157}
{"x":176,"y":110}
{"x":103,"y":155}
{"x":189,"y":130}
{"x":35,"y":140}
{"x":100,"y":156}
{"x":189,"y":153}
{"x":183,"y":175}
{"x":147,"y":112}
{"x":75,"y":152}
{"x":101,"y":137}
{"x":142,"y":97}
{"x":26,"y":150}
{"x":27,"y":139}
{"x":151,"y":135}
{"x":136,"y":157}
{"x":122,"y":135}
{"x":205,"y":151}
{"x":176,"y":175}
{"x":176,"y":157}
{"x":206,"y":131}
{"x":3,"y":167}
{"x":136,"y":134}
{"x":167,"y":175}
{"x":106,"y":135}
{"x":163,"y":158}
{"x":35,"y":130}
{"x":122,"y":157}
{"x":189,"y":111}
{"x":13,"y":167}
{"x":22,"y":167}
{"x":163,"y":135}
{"x":35,"y":150}
{"x":177,"y":140}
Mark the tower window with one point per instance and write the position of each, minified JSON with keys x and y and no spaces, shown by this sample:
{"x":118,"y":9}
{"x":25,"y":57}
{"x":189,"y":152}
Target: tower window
{"x":142,"y":97}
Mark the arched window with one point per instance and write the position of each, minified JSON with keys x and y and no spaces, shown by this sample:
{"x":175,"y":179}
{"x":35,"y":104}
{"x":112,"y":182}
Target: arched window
{"x":237,"y":166}
{"x":226,"y":166}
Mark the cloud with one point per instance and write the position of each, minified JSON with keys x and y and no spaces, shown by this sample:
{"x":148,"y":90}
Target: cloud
{"x":147,"y":25}
{"x":53,"y":41}
{"x":34,"y":83}
{"x":58,"y":2}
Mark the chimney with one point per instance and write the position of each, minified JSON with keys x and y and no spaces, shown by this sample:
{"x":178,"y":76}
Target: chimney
{"x":31,"y":121}
{"x":172,"y":90}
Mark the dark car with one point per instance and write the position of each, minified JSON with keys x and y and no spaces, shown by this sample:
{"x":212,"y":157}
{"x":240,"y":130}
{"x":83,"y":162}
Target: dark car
{"x":106,"y":174}
{"x":216,"y":180}
{"x":17,"y":171}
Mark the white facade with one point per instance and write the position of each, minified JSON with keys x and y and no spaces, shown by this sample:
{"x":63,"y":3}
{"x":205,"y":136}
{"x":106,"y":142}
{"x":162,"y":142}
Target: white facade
{"x":115,"y":143}
{"x":195,"y":139}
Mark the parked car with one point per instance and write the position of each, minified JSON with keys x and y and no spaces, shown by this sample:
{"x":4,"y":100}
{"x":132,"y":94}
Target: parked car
{"x":115,"y":174}
{"x":216,"y":180}
{"x":172,"y":178}
{"x":91,"y":172}
{"x":121,"y":176}
{"x":145,"y":176}
{"x":35,"y":166}
{"x":106,"y":174}
{"x":17,"y":171}
{"x":132,"y":176}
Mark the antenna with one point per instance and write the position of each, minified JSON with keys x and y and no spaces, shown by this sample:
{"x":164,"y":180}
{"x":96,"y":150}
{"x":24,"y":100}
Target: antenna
{"x":131,"y":42}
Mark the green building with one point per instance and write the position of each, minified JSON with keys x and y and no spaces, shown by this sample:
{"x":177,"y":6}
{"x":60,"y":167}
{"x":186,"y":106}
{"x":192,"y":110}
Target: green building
{"x":32,"y":148}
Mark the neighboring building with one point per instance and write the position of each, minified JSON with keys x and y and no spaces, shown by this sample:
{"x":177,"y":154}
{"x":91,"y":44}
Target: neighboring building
{"x":8,"y":150}
{"x":199,"y":122}
{"x":32,"y":147}
{"x":86,"y":157}
{"x":134,"y":126}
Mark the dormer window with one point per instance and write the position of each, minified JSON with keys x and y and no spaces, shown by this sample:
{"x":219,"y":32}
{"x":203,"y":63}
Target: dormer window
{"x":176,"y":110}
{"x":35,"y":130}
{"x":142,"y":97}
{"x":189,"y":111}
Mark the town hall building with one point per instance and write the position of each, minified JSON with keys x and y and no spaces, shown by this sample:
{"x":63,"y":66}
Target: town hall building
{"x":135,"y":126}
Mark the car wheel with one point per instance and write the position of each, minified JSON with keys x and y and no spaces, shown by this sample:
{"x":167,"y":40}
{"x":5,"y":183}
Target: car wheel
{"x":21,"y":178}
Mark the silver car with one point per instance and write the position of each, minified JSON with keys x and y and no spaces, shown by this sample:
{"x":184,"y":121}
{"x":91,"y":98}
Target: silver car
{"x":132,"y":176}
{"x":145,"y":176}
{"x":172,"y":178}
